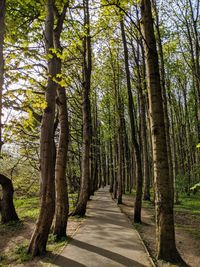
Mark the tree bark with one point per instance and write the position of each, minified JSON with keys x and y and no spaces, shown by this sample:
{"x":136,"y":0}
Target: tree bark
{"x":2,"y":32}
{"x":85,"y":161}
{"x":135,"y":144}
{"x":62,"y":203}
{"x":164,"y":96}
{"x":7,"y":208}
{"x":39,"y":238}
{"x":165,"y":233}
{"x":141,"y":87}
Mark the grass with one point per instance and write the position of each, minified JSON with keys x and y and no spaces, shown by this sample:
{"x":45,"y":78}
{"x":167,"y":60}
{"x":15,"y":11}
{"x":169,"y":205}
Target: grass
{"x":21,"y":252}
{"x":28,"y":208}
{"x":189,"y":204}
{"x":16,"y":255}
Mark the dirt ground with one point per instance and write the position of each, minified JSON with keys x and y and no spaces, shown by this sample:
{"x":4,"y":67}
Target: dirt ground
{"x":188,"y":242}
{"x":12,"y":237}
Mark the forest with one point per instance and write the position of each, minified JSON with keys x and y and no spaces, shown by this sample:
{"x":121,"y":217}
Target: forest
{"x":101,"y":94}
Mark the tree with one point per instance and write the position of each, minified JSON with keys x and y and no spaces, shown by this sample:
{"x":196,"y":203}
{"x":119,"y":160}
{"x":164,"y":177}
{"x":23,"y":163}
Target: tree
{"x":62,"y":204}
{"x":39,"y":238}
{"x":2,"y":31}
{"x":7,"y":208}
{"x":139,"y":178}
{"x":86,"y":111}
{"x":165,"y":234}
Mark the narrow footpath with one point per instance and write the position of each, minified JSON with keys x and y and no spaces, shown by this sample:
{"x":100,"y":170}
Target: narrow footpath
{"x":105,"y":239}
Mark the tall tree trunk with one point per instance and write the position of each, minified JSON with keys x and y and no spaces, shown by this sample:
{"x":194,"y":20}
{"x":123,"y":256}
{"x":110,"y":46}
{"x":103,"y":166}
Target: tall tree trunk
{"x":62,"y":204}
{"x":165,"y":234}
{"x":94,"y":180}
{"x":2,"y":31}
{"x":7,"y":208}
{"x":39,"y":238}
{"x":139,"y":180}
{"x":120,"y":166}
{"x":115,"y":159}
{"x":111,"y":163}
{"x":164,"y":96}
{"x":141,"y":87}
{"x":85,"y":161}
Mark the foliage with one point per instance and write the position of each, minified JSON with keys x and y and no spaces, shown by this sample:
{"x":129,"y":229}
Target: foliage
{"x":21,"y":252}
{"x":195,"y":188}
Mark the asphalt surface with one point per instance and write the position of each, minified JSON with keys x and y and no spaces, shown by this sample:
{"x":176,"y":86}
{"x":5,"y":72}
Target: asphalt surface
{"x":105,"y":239}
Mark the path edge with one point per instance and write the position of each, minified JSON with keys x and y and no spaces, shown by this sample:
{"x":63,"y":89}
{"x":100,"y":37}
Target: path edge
{"x":153,"y":263}
{"x":65,"y":245}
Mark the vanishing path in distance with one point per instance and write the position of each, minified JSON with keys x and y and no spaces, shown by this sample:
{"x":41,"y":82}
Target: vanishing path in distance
{"x":105,"y":239}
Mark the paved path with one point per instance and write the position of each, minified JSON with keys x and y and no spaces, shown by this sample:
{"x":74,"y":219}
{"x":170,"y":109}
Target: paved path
{"x":105,"y":239}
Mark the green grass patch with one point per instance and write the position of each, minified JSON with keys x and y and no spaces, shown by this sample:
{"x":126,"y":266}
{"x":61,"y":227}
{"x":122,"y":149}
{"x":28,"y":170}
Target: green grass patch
{"x":16,"y":255}
{"x":27,"y":207}
{"x":189,"y":204}
{"x":130,"y":193}
{"x":21,"y":254}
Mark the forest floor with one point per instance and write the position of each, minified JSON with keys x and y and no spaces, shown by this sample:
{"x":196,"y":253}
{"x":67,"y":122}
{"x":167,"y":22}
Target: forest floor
{"x":187,"y":223}
{"x":14,"y":238}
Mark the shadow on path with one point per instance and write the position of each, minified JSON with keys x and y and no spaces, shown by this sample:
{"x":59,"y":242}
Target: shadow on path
{"x":105,"y":253}
{"x":62,"y":261}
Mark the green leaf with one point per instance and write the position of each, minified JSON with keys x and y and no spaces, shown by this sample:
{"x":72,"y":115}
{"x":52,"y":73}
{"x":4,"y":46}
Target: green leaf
{"x":195,"y":187}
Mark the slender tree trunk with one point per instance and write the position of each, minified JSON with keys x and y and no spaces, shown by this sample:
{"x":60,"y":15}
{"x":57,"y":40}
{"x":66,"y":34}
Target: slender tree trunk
{"x":115,"y":159}
{"x":111,"y":167}
{"x":2,"y":31}
{"x":164,"y":96}
{"x":165,"y":234}
{"x":7,"y":208}
{"x":119,"y":173}
{"x":141,"y":86}
{"x":120,"y":153}
{"x":85,"y":161}
{"x":39,"y":238}
{"x":62,"y":203}
{"x":94,"y":179}
{"x":139,"y":180}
